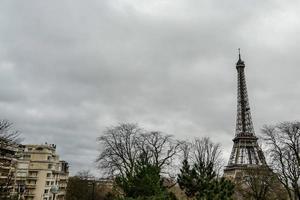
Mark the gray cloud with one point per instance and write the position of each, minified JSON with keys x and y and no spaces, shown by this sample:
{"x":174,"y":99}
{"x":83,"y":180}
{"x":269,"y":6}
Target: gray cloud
{"x":68,"y":69}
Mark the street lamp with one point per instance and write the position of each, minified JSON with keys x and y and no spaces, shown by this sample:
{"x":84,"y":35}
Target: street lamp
{"x":54,"y":190}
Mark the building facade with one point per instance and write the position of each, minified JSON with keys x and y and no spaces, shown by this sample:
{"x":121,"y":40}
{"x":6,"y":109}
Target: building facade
{"x":40,"y":175}
{"x":246,"y":153}
{"x":8,"y":164}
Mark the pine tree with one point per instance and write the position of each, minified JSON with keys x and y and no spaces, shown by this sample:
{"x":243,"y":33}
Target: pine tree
{"x":186,"y":179}
{"x":145,"y":184}
{"x":201,"y":182}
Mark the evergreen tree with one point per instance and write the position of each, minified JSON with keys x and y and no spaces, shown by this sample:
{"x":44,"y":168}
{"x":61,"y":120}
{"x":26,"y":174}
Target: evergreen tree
{"x":146,"y":183}
{"x":201,"y":182}
{"x":186,"y":179}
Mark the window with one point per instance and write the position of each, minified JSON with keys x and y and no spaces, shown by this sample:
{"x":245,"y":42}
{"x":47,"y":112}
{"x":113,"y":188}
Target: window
{"x":33,"y":173}
{"x":47,"y":182}
{"x":46,"y":191}
{"x":23,"y":165}
{"x":49,"y":166}
{"x":48,"y":175}
{"x":33,"y":182}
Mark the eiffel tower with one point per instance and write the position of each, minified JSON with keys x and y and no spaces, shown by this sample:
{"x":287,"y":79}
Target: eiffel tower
{"x":246,"y":152}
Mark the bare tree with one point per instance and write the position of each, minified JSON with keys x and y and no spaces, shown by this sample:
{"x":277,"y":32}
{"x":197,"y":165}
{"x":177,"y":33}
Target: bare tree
{"x":9,"y":139}
{"x":122,"y":146}
{"x":119,"y":149}
{"x":260,"y":183}
{"x":85,"y":175}
{"x":8,"y":136}
{"x":160,"y":148}
{"x":203,"y":151}
{"x":283,"y":142}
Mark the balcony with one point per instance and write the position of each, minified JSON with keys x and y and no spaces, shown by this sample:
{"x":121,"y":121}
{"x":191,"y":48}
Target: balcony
{"x":3,"y":177}
{"x":29,"y":194}
{"x":32,"y":174}
{"x":6,"y":166}
{"x":32,"y":177}
{"x":7,"y":158}
{"x":31,"y":186}
{"x":63,"y":178}
{"x":45,"y":195}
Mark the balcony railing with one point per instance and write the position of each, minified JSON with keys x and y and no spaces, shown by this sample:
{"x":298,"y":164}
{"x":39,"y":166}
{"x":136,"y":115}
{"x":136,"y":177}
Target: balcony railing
{"x":30,"y":186}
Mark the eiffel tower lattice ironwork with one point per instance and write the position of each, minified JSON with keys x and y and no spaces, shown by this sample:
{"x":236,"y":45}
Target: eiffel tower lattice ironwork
{"x":246,"y":151}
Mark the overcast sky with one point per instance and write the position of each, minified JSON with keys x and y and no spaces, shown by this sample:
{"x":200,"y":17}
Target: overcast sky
{"x":68,"y":68}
